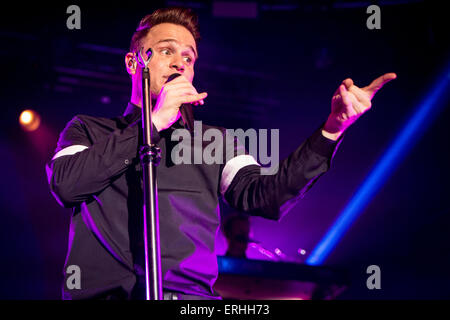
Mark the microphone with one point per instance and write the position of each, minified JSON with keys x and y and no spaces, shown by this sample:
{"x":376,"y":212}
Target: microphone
{"x":187,"y":114}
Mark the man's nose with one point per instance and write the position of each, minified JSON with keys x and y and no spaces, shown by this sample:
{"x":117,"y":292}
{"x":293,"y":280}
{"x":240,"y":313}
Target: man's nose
{"x":177,"y":63}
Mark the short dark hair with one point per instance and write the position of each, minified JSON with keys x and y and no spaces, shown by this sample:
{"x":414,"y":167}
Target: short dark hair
{"x":182,"y":16}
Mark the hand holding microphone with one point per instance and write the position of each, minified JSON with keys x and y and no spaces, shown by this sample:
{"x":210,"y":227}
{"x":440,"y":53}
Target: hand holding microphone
{"x":175,"y":99}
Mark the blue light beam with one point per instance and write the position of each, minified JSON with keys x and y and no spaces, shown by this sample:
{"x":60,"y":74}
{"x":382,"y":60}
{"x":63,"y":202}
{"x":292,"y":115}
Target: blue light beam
{"x":421,"y":119}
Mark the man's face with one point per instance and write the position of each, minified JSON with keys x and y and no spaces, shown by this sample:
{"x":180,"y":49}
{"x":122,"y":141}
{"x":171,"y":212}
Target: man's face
{"x":174,"y":51}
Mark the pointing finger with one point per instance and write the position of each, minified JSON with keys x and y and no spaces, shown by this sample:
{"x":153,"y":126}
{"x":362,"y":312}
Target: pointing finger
{"x":378,"y":83}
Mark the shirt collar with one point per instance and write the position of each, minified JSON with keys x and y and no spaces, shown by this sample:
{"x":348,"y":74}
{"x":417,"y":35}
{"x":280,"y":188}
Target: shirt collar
{"x":132,"y":113}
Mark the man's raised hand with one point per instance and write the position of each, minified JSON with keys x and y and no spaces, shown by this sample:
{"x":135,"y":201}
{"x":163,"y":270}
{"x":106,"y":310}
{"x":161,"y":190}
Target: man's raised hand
{"x":349,"y":102}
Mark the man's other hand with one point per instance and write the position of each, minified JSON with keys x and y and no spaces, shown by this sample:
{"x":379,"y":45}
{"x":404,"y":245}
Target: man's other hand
{"x":349,"y":102}
{"x":172,"y":95}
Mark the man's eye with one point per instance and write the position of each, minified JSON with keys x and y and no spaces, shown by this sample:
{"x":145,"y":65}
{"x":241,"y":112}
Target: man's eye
{"x":188,"y":59}
{"x":165,"y":51}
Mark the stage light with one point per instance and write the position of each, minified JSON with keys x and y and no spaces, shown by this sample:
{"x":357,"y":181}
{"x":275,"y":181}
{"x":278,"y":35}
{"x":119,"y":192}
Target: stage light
{"x":420,"y":120}
{"x":105,"y":100}
{"x":29,"y":120}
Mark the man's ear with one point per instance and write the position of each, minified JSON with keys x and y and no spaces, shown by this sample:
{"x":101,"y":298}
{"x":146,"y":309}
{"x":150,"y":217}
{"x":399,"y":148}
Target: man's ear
{"x":130,"y":63}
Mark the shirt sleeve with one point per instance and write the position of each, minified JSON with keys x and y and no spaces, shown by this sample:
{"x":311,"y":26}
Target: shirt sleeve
{"x":81,"y":168}
{"x":272,"y":196}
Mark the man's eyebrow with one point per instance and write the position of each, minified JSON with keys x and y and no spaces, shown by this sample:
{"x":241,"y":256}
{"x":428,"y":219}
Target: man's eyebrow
{"x":174,"y":40}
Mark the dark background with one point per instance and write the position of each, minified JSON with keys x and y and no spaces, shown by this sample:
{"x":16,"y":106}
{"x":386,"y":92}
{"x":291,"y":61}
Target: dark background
{"x":277,"y":69}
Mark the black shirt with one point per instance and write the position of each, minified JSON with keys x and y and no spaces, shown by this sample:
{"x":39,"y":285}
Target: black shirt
{"x":96,"y":171}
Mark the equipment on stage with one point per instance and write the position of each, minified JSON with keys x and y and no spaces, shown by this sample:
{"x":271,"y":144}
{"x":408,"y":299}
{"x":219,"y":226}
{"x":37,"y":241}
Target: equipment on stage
{"x":241,"y":279}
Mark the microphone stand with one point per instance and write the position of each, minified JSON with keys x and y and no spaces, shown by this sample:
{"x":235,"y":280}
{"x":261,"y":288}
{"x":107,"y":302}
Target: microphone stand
{"x":150,"y":155}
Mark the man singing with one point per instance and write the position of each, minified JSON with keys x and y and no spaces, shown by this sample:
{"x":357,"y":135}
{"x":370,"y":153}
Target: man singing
{"x":96,"y":171}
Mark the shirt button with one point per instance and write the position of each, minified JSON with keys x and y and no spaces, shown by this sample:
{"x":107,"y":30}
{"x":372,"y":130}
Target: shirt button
{"x":127,"y":161}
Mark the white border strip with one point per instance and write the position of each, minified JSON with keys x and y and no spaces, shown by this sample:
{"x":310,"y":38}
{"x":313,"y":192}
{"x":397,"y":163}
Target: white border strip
{"x":70,"y":151}
{"x":231,"y":169}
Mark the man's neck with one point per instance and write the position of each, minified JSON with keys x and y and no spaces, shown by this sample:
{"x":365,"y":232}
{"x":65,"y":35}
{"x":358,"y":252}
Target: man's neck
{"x":137,"y":101}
